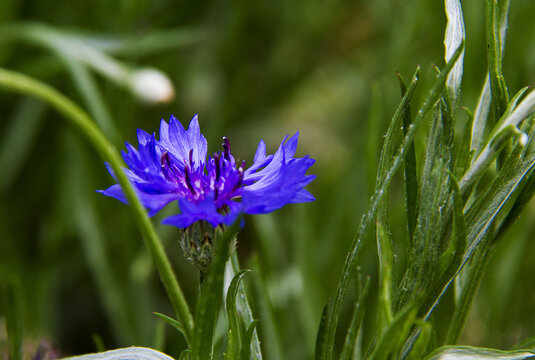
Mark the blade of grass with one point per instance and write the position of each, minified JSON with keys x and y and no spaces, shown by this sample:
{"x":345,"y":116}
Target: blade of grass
{"x":454,"y":36}
{"x":245,"y":310}
{"x":322,"y":334}
{"x":394,"y":335}
{"x":235,"y":335}
{"x":210,"y":298}
{"x":174,"y":323}
{"x":409,"y":173}
{"x":248,"y":341}
{"x":356,"y":322}
{"x":499,"y":94}
{"x":367,"y":219}
{"x":19,"y":83}
{"x":383,"y":236}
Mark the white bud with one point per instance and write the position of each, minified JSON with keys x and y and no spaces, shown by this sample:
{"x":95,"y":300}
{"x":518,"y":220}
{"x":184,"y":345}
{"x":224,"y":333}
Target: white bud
{"x":152,"y":86}
{"x":523,"y":139}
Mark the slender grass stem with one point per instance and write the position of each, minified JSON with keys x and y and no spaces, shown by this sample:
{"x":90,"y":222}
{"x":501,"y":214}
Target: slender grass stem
{"x":19,"y":83}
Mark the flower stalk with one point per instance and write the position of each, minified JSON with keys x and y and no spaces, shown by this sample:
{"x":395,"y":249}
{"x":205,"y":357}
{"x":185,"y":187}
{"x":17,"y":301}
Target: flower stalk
{"x":22,"y":84}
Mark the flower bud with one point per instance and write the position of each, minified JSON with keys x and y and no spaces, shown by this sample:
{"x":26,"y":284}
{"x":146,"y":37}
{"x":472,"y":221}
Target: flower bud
{"x":152,"y":86}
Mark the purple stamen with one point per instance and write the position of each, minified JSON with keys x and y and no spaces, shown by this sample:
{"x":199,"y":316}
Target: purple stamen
{"x":217,"y":167}
{"x":167,"y":166}
{"x":226,"y":148}
{"x":191,"y":158}
{"x":240,"y":178}
{"x":187,"y":177}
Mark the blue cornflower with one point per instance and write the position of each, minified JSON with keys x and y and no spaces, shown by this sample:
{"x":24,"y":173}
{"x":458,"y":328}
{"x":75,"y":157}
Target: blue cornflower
{"x":214,"y":188}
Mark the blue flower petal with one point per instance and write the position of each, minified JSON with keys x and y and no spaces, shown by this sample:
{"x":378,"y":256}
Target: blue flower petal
{"x":215,"y":190}
{"x":191,"y":212}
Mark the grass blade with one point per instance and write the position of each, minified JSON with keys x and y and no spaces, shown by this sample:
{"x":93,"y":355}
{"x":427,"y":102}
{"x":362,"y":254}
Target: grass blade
{"x":210,"y":298}
{"x":19,"y":83}
{"x":334,"y":312}
{"x":394,"y":335}
{"x":248,"y":340}
{"x":356,"y":321}
{"x":245,"y":310}
{"x":410,"y":176}
{"x":499,"y":94}
{"x":321,"y":339}
{"x":454,"y":36}
{"x":174,"y":323}
{"x":235,"y":333}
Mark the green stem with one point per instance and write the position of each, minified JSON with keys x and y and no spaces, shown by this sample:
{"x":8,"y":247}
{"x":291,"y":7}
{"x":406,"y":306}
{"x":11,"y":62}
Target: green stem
{"x":468,"y":293}
{"x":19,"y":83}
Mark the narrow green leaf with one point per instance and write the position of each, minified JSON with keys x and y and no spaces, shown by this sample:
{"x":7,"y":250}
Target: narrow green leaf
{"x":210,"y":298}
{"x":394,"y":335}
{"x":19,"y":83}
{"x":386,"y":264}
{"x":499,"y":95}
{"x":248,"y":340}
{"x":173,"y":322}
{"x":481,"y":118}
{"x":322,"y":335}
{"x":468,"y":292}
{"x":409,"y":173}
{"x":453,"y":37}
{"x":422,"y":267}
{"x":383,"y":236}
{"x":419,"y":348}
{"x":245,"y":310}
{"x":356,"y":321}
{"x":523,"y":199}
{"x":482,"y":215}
{"x":463,"y":154}
{"x":362,"y":231}
{"x":185,"y":355}
{"x":473,"y":353}
{"x":235,"y":336}
{"x":451,"y":258}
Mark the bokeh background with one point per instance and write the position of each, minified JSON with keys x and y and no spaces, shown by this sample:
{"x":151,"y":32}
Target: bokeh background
{"x":252,"y":70}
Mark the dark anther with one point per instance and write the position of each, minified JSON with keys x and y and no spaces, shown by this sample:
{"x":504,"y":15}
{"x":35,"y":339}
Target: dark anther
{"x":165,"y":160}
{"x":240,"y":176}
{"x":216,"y":193}
{"x":191,"y":158}
{"x":167,"y":165}
{"x":217,"y":167}
{"x":226,"y":148}
{"x":187,"y":176}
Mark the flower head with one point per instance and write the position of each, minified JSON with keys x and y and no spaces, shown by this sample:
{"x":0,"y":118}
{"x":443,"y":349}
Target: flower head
{"x":215,"y":189}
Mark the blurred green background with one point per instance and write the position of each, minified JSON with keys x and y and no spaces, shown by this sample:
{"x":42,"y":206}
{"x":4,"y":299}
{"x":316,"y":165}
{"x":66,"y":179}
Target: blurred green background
{"x":252,"y":70}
